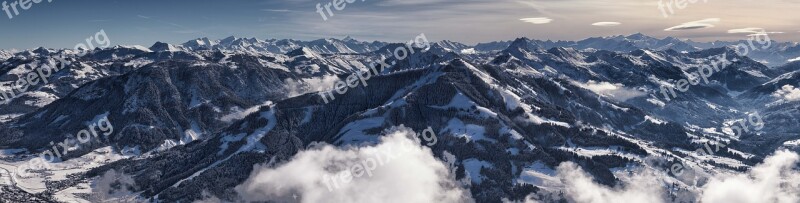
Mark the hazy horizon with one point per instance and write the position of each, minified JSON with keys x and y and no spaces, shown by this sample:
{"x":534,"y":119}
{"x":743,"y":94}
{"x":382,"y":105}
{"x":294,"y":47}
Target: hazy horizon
{"x":62,"y":24}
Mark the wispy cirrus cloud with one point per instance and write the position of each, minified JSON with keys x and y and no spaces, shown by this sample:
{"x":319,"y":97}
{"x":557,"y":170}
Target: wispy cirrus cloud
{"x":277,"y":10}
{"x":539,"y":8}
{"x":186,"y":31}
{"x":606,"y":24}
{"x":700,"y":24}
{"x":746,"y":30}
{"x":369,"y":20}
{"x":752,"y":31}
{"x":413,"y":2}
{"x":539,"y":20}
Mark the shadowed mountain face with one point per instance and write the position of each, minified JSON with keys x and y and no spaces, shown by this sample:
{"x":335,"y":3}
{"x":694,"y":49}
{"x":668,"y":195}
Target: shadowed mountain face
{"x":200,"y":116}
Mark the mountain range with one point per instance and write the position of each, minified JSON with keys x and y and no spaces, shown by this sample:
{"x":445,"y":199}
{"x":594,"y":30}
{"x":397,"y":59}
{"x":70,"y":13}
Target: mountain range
{"x":195,"y":121}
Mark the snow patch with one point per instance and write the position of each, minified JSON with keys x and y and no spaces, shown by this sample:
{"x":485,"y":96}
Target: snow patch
{"x":473,"y":169}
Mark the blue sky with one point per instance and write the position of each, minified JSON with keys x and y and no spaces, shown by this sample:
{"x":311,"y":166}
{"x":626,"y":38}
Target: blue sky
{"x":62,"y":24}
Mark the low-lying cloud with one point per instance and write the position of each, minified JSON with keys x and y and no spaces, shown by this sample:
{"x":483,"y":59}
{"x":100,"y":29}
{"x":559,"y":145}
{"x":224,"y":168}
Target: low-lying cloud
{"x":787,"y":93}
{"x":774,"y":181}
{"x":299,"y":87}
{"x":114,"y":187}
{"x":641,"y":187}
{"x":413,"y":175}
{"x":613,"y":90}
{"x":777,"y":180}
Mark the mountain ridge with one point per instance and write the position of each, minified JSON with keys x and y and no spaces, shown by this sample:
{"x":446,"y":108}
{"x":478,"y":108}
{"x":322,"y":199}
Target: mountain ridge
{"x":200,"y":116}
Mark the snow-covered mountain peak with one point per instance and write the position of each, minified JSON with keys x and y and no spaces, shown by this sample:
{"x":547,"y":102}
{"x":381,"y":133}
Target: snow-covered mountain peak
{"x":129,"y":47}
{"x":161,"y":46}
{"x":511,"y":112}
{"x":303,"y":51}
{"x":200,"y":43}
{"x":43,"y":51}
{"x":349,"y":39}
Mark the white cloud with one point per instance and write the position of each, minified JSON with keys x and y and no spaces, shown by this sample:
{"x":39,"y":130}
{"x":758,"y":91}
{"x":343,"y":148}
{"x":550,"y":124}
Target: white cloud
{"x":794,"y":59}
{"x":641,"y":187}
{"x":705,"y":23}
{"x":528,"y":199}
{"x":774,"y":181}
{"x":237,"y":114}
{"x":276,"y":10}
{"x":413,"y":175}
{"x":113,"y":187}
{"x":469,"y":51}
{"x":752,"y":31}
{"x":208,"y":198}
{"x":412,"y":2}
{"x":299,"y":87}
{"x":758,"y":34}
{"x":606,"y":24}
{"x":747,"y":30}
{"x":788,"y":93}
{"x":777,"y":180}
{"x":616,"y":91}
{"x":540,"y":20}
